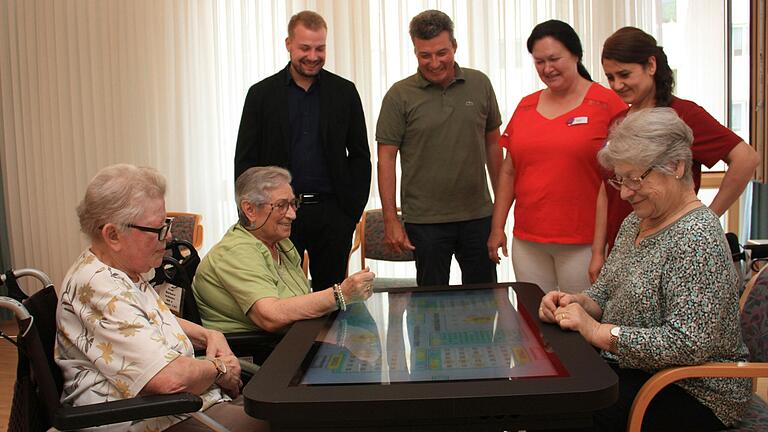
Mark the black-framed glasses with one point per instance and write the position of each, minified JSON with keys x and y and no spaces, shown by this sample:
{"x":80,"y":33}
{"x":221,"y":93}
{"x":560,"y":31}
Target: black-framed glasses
{"x":161,"y":232}
{"x":633,"y":184}
{"x":282,"y":205}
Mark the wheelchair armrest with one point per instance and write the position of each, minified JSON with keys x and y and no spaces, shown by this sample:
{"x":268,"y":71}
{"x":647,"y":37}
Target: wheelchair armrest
{"x":140,"y":407}
{"x":255,"y":345}
{"x":242,"y":341}
{"x":248,"y":369}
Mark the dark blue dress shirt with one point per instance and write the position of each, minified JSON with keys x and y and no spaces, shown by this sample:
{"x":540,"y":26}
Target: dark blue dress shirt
{"x":308,"y":166}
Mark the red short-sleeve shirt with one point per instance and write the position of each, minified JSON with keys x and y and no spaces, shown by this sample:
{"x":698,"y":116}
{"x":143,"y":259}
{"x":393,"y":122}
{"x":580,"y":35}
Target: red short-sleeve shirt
{"x":556,"y":172}
{"x":711,"y":143}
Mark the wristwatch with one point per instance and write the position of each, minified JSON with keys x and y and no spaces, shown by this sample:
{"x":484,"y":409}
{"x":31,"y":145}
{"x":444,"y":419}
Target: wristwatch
{"x":613,"y":343}
{"x":221,"y":368}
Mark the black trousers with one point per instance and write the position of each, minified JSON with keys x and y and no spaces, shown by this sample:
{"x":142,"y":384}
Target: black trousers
{"x":325,"y":232}
{"x":673,"y":409}
{"x":436,"y":243}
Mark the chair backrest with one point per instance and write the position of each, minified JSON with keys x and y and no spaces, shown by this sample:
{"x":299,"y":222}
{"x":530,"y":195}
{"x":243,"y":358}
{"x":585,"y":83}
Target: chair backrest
{"x":39,"y":343}
{"x":372,"y":244}
{"x":739,"y":256}
{"x":38,"y":379}
{"x":757,"y":263}
{"x":754,"y":317}
{"x":187,"y":226}
{"x":178,"y":269}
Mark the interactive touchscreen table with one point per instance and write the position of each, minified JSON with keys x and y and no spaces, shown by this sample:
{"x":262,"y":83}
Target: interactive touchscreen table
{"x":435,"y":358}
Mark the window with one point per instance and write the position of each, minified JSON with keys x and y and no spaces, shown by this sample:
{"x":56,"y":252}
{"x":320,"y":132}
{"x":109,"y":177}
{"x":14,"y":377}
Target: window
{"x":737,"y":77}
{"x":737,"y":41}
{"x":710,"y":52}
{"x":738,"y":117}
{"x":668,"y":11}
{"x":688,"y":58}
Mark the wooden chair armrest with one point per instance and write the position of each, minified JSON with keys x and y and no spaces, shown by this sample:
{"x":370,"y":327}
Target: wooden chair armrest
{"x":356,"y":239}
{"x":198,"y":236}
{"x":360,"y":228}
{"x":665,"y":377}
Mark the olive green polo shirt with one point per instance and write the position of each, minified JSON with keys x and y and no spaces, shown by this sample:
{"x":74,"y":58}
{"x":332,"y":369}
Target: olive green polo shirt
{"x":239,"y":271}
{"x":440,"y":134}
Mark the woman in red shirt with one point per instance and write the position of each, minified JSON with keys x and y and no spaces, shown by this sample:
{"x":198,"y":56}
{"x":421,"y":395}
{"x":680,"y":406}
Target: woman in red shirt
{"x":550,"y":171}
{"x":638,"y":71}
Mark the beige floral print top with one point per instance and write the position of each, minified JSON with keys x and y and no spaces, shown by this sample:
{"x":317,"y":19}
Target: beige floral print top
{"x":113,"y":336}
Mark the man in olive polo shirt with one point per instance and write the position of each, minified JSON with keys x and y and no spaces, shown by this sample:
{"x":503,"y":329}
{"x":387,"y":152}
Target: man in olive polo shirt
{"x":444,"y":121}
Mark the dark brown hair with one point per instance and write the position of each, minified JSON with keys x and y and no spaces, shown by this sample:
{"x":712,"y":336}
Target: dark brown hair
{"x":632,"y":45}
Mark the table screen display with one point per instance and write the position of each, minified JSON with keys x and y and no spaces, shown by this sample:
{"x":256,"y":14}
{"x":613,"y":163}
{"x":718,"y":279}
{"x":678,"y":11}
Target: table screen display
{"x":430,"y":336}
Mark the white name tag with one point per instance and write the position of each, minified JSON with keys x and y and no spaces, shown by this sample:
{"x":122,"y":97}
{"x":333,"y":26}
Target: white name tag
{"x":577,"y":121}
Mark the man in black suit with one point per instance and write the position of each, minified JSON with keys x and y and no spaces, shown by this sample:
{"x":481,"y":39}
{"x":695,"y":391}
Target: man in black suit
{"x":310,"y":121}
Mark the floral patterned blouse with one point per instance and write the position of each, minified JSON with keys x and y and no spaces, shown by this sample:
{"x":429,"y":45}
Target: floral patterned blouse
{"x":113,"y":336}
{"x":675,"y":296}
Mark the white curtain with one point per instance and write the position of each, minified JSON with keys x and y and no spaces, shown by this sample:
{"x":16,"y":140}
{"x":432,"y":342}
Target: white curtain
{"x":88,"y":83}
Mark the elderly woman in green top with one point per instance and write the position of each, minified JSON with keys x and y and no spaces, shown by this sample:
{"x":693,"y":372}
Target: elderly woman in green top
{"x":252,"y":279}
{"x":668,"y":294}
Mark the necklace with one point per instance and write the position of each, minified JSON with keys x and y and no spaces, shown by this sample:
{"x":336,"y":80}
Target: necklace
{"x":664,"y":222}
{"x":275,"y":252}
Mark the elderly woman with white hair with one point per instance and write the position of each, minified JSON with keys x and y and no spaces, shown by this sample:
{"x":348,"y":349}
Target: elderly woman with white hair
{"x":252,"y":279}
{"x":115,"y":338}
{"x":668,"y":294}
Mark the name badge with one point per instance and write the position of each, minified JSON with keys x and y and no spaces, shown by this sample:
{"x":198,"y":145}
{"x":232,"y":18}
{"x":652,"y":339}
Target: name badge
{"x":577,"y":121}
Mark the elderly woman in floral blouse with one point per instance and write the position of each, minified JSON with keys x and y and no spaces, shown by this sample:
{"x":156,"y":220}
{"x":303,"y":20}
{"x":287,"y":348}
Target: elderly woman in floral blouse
{"x":668,"y":294}
{"x":115,"y":338}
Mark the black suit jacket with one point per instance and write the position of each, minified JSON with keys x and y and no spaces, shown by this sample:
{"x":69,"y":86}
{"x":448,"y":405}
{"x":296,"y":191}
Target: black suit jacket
{"x":264,"y":136}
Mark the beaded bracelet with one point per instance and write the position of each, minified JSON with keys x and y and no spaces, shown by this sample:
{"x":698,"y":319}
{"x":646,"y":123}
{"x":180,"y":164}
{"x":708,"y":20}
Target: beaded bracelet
{"x":338,"y":296}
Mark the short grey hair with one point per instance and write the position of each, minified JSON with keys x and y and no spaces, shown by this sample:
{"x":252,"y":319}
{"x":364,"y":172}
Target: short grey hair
{"x":651,"y":137}
{"x":430,"y":23}
{"x":256,"y":184}
{"x":116,"y":195}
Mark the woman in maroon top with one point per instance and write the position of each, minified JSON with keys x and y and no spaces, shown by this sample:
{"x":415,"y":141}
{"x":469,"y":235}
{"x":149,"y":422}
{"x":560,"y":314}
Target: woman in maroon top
{"x":637,"y":70}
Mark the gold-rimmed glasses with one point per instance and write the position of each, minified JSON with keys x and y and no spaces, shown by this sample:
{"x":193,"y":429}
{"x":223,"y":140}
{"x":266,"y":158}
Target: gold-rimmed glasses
{"x":633,"y":184}
{"x":282,"y":205}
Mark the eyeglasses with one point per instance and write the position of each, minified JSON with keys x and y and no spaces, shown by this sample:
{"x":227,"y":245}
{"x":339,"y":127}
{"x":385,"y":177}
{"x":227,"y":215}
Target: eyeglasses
{"x":161,"y":232}
{"x":633,"y":184}
{"x":282,"y":205}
